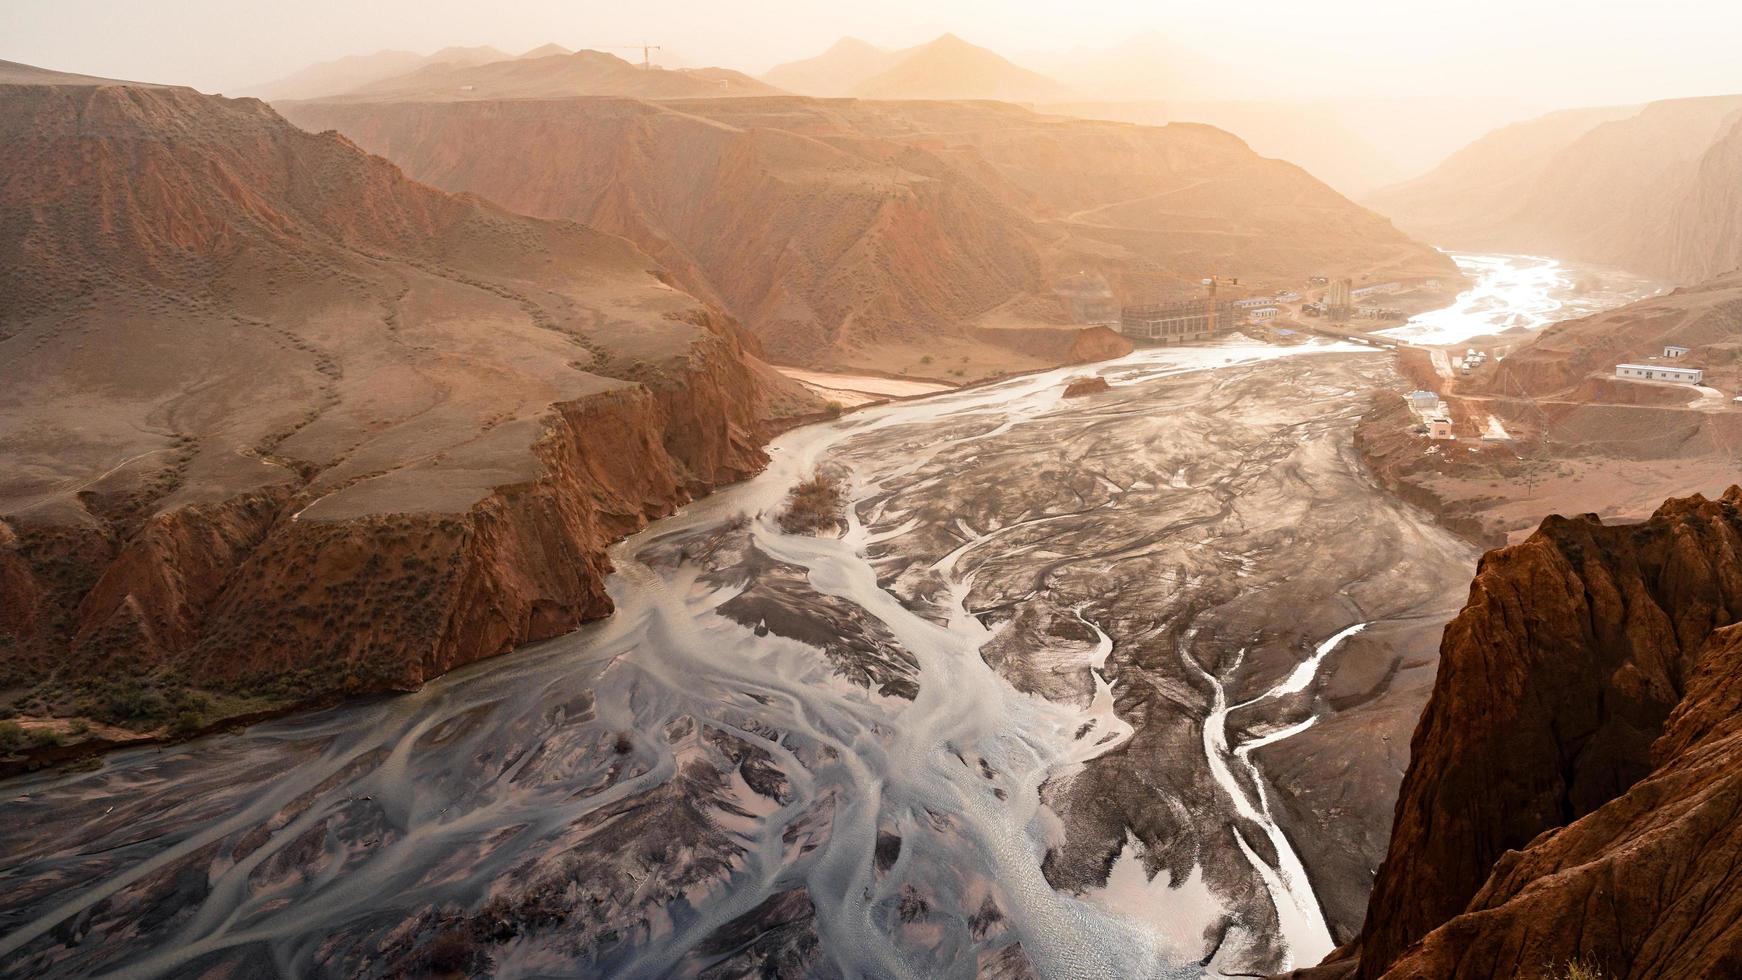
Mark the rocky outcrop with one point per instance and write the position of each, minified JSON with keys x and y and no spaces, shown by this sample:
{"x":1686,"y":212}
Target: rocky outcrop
{"x":289,"y":426}
{"x":1574,"y":789}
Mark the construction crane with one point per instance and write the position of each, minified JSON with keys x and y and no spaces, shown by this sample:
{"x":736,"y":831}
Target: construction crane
{"x":1210,"y":284}
{"x":645,"y":49}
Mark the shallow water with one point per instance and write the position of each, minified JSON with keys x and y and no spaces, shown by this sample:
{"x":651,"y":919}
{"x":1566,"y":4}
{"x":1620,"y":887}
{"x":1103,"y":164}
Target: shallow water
{"x":1521,"y":293}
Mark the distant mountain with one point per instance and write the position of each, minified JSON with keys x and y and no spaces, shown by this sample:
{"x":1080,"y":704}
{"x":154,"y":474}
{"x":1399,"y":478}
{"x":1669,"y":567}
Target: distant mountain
{"x":1313,"y":136}
{"x":1649,"y":189}
{"x":1703,"y":236}
{"x":952,"y":69}
{"x":836,"y":72}
{"x":866,"y":234}
{"x":555,"y":75}
{"x":545,"y":51}
{"x":353,"y":71}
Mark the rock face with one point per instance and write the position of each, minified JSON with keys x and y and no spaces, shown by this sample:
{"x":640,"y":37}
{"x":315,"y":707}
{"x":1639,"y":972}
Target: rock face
{"x":282,"y":424}
{"x":1573,"y":787}
{"x":869,"y":234}
{"x":1651,"y":189}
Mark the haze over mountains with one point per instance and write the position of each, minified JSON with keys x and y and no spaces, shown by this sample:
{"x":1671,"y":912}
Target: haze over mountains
{"x":947,"y":68}
{"x":354,"y":71}
{"x":1651,"y":189}
{"x":869,"y":234}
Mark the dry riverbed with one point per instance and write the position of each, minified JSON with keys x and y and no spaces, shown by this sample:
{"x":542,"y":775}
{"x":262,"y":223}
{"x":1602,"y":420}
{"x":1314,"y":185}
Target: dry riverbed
{"x":1115,"y":685}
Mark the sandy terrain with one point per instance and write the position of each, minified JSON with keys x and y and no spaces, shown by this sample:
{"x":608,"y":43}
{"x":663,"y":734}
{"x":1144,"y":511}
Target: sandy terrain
{"x":859,"y":389}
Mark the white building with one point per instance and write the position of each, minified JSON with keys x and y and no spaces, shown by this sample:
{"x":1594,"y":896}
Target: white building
{"x":1674,"y":350}
{"x":1252,"y":302}
{"x":1263,"y":313}
{"x":1424,"y":401}
{"x":1659,"y":372}
{"x":1440,"y":429}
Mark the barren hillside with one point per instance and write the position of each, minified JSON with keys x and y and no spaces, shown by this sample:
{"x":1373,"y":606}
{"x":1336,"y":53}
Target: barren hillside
{"x":280,"y":423}
{"x":875,"y":234}
{"x":1649,"y":189}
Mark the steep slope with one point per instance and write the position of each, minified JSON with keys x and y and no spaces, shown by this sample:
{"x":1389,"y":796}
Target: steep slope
{"x":280,"y":424}
{"x":1609,"y":186}
{"x":1573,"y":787}
{"x":951,"y":68}
{"x":1314,"y":137}
{"x":1703,"y":236}
{"x":875,"y":234}
{"x":836,"y":72}
{"x":353,"y":71}
{"x":558,"y":75}
{"x":1460,"y":202}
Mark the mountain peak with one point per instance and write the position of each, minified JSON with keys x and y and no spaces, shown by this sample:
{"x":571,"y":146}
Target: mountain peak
{"x":545,"y":51}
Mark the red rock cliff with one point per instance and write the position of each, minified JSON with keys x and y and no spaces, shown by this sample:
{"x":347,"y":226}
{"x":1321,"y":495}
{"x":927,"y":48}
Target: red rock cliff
{"x":1574,"y":792}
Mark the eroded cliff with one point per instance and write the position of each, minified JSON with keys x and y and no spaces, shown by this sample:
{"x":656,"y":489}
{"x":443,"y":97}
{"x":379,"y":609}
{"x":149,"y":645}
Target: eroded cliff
{"x":1573,"y":790}
{"x":282,"y":425}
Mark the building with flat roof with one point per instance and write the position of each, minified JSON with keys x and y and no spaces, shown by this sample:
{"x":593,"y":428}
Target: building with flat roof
{"x":1674,"y":350}
{"x":1660,"y":372}
{"x":1177,"y":322}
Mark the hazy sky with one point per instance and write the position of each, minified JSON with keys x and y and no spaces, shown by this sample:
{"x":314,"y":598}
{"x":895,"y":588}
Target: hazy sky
{"x":1552,"y":52}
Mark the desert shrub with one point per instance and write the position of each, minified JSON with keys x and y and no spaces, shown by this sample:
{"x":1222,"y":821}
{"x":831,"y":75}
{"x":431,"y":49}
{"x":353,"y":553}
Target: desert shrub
{"x":1580,"y":969}
{"x":814,"y":505}
{"x":12,"y":737}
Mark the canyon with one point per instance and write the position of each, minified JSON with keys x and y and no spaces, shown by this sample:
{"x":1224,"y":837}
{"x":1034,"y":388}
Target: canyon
{"x":551,"y":515}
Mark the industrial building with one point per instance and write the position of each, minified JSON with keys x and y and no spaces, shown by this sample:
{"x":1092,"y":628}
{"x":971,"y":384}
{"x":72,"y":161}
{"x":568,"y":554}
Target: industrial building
{"x":1338,"y":299}
{"x":1659,"y":372}
{"x":1177,"y":322}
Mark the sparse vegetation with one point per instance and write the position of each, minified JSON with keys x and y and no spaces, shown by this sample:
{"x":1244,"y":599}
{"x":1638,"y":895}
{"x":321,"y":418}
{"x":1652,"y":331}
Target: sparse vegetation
{"x":12,"y":737}
{"x":1579,"y":969}
{"x":814,"y":505}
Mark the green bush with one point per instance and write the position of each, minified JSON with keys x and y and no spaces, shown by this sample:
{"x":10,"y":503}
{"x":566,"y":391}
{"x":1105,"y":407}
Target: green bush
{"x":12,"y":737}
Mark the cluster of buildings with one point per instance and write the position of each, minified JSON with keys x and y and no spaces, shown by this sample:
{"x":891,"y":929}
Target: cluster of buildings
{"x":1433,"y":413}
{"x":1655,"y":369}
